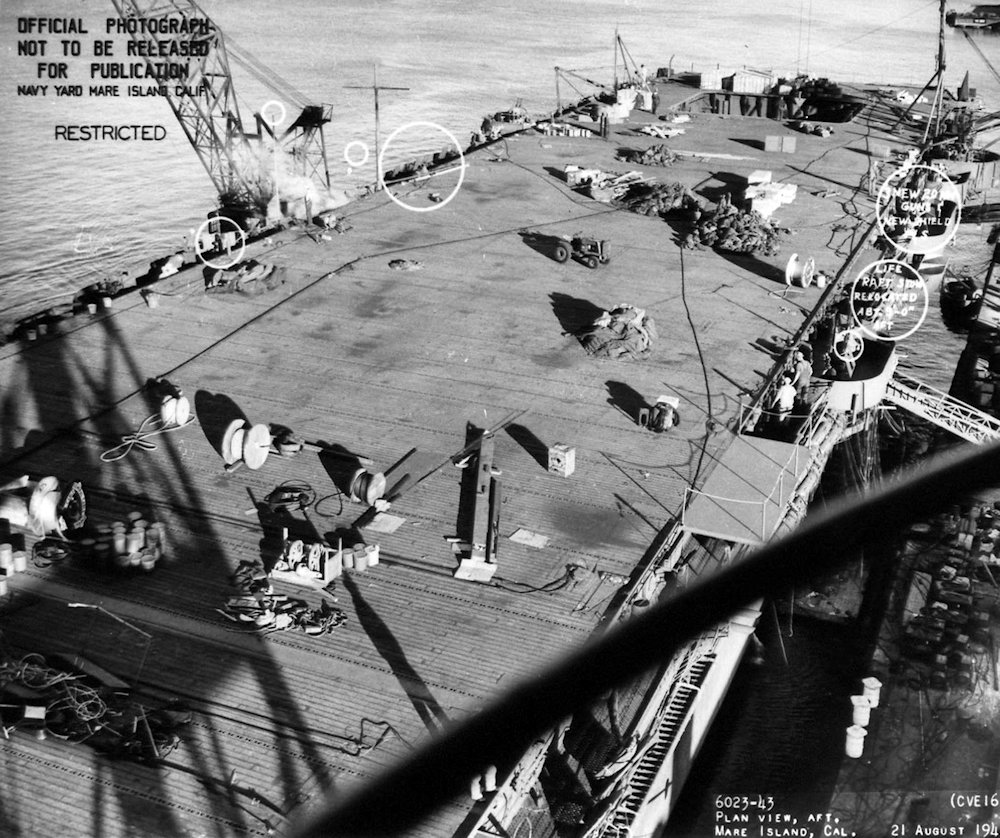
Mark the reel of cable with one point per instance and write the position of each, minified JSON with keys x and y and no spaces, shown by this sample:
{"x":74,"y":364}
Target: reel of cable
{"x":175,"y":409}
{"x":285,"y":442}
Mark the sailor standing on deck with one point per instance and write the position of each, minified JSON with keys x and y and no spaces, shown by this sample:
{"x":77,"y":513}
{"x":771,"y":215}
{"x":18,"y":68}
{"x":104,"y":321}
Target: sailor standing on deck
{"x":802,"y":374}
{"x":847,"y":348}
{"x":784,"y":400}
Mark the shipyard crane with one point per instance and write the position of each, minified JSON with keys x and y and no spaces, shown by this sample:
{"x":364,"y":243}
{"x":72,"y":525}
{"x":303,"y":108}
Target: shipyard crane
{"x":206,"y":107}
{"x":953,"y":128}
{"x":562,"y":74}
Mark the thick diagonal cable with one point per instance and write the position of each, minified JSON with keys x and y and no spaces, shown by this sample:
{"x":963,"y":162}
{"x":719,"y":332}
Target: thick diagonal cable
{"x":500,"y":734}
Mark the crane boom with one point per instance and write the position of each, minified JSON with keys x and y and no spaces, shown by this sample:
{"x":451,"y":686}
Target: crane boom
{"x":206,"y":107}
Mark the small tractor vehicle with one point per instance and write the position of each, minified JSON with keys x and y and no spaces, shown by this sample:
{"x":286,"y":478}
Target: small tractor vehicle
{"x":592,"y":252}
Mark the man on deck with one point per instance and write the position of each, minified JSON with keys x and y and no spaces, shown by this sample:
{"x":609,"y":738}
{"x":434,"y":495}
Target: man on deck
{"x":784,"y":400}
{"x":801,"y":374}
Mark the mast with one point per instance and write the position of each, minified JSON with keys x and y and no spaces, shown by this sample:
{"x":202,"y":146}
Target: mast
{"x":378,"y":141}
{"x":939,"y":92}
{"x":937,"y":79}
{"x":940,"y":60}
{"x":615,"y":60}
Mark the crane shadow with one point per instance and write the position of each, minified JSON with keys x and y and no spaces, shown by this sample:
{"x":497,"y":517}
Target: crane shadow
{"x":381,"y":636}
{"x":97,"y":383}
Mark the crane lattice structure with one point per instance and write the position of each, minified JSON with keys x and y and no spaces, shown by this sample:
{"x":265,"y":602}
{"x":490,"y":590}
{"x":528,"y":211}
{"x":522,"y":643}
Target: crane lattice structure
{"x":206,"y":107}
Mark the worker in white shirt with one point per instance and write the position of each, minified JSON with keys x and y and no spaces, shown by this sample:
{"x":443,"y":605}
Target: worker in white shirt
{"x":784,"y":400}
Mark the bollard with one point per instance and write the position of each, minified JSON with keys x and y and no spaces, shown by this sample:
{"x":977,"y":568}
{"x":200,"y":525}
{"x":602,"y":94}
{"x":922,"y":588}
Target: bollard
{"x":855,"y":741}
{"x":862,"y":710}
{"x":872,"y":689}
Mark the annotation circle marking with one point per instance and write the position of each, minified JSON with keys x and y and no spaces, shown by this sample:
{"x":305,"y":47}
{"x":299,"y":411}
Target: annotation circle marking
{"x":848,"y":345}
{"x":388,"y":143}
{"x":273,"y":103}
{"x":357,"y":164}
{"x":918,"y":209}
{"x":203,"y":228}
{"x":889,"y":300}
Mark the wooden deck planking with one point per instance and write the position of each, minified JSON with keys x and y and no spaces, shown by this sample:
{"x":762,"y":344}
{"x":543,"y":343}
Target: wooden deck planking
{"x":380,"y":361}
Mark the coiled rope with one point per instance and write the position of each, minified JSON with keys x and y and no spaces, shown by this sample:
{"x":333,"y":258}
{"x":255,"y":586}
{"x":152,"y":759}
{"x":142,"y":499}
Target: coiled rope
{"x":141,"y":437}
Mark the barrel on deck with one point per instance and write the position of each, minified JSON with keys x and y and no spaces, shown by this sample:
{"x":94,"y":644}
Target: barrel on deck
{"x":855,"y":741}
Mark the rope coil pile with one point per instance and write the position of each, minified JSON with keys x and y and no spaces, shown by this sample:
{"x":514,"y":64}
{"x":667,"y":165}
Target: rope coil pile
{"x":654,"y":155}
{"x":735,"y":230}
{"x":651,"y":198}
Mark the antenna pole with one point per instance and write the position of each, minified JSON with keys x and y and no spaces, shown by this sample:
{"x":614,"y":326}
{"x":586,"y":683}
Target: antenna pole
{"x":939,"y":90}
{"x":615,"y":60}
{"x":938,"y":77}
{"x":940,"y":61}
{"x":378,"y":142}
{"x":558,"y":95}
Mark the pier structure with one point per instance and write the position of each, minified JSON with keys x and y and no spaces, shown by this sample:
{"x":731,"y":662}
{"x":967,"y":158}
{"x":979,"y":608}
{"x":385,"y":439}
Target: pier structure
{"x":929,"y":757}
